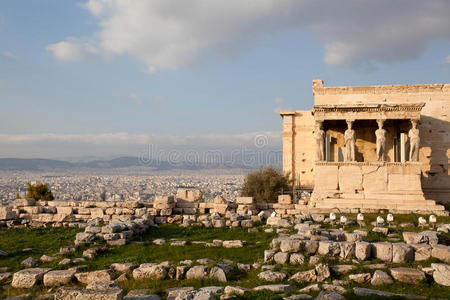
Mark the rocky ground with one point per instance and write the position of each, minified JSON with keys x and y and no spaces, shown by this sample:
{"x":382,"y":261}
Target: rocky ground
{"x":306,"y":257}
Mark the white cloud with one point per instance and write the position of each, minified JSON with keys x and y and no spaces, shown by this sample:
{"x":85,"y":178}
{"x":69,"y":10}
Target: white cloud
{"x":171,"y":34}
{"x":10,"y":55}
{"x":73,"y":49}
{"x":447,"y":60}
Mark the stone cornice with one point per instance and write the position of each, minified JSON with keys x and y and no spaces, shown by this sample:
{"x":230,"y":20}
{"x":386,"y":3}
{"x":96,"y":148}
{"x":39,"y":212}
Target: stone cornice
{"x":367,"y":163}
{"x":382,"y":107}
{"x":382,"y":111}
{"x":320,"y":89}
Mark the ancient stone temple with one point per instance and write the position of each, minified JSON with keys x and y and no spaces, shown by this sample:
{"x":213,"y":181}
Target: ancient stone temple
{"x":374,"y":147}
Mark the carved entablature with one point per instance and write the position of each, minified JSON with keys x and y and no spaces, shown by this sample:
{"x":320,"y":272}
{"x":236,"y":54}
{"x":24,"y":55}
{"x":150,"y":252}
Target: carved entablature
{"x":367,"y":163}
{"x":368,"y":111}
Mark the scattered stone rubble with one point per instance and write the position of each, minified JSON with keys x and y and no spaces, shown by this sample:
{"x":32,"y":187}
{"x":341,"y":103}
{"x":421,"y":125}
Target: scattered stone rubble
{"x":311,"y":245}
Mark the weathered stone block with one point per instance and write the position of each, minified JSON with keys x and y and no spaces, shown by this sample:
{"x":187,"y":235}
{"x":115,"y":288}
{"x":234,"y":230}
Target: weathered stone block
{"x":64,"y":210}
{"x":327,"y":177}
{"x":383,"y":251}
{"x":268,"y":255}
{"x":350,"y":178}
{"x":296,"y":259}
{"x":58,"y":277}
{"x":24,"y":202}
{"x":272,"y":276}
{"x":407,"y":275}
{"x":421,"y":251}
{"x":402,"y":253}
{"x":284,"y":199}
{"x":6,"y":213}
{"x":311,"y":246}
{"x":197,"y":272}
{"x":360,"y":278}
{"x":381,"y":277}
{"x":281,"y":258}
{"x":329,"y":248}
{"x":323,"y":272}
{"x":65,"y":293}
{"x":342,"y":269}
{"x":404,"y":182}
{"x":304,"y":276}
{"x":27,"y":278}
{"x":96,"y":212}
{"x":150,"y":271}
{"x":374,"y":178}
{"x":290,"y":245}
{"x":233,"y":244}
{"x":441,"y":252}
{"x":347,"y":250}
{"x":164,"y":199}
{"x":441,"y":274}
{"x":245,"y":200}
{"x":89,"y":277}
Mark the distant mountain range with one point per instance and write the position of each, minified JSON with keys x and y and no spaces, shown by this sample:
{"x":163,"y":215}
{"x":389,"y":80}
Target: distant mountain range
{"x":39,"y":164}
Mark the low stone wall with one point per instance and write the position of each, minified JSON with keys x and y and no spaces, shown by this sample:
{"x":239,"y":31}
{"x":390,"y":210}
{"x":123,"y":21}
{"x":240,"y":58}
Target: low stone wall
{"x":28,"y":212}
{"x":31,"y":212}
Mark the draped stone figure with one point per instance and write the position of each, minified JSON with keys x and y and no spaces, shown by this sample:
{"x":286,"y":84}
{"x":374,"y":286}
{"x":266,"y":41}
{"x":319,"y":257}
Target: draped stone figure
{"x":319,"y":136}
{"x":380,"y":133}
{"x":414,"y":142}
{"x":349,"y":136}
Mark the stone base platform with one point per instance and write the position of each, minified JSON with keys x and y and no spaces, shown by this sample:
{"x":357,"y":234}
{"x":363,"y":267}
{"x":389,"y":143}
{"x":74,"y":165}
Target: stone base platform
{"x":426,"y":205}
{"x":373,"y":185}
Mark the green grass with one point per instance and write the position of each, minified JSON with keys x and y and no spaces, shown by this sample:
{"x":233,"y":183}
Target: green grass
{"x":40,"y":240}
{"x":141,"y":250}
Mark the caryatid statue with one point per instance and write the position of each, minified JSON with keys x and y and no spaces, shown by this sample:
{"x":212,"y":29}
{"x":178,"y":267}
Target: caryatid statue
{"x":319,"y":136}
{"x":414,"y":142}
{"x":380,"y":133}
{"x":349,"y":136}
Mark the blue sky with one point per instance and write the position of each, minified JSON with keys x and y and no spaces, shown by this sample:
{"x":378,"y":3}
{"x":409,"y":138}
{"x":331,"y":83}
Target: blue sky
{"x":203,"y":72}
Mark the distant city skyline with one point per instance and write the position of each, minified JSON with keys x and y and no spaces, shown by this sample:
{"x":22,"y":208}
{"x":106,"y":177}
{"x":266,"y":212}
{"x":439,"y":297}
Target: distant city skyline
{"x":104,"y":78}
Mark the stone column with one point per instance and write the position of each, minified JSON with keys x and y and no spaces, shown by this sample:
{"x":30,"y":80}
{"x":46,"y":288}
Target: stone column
{"x":288,"y":145}
{"x":319,"y":136}
{"x":328,"y":147}
{"x":349,"y":136}
{"x":414,"y":141}
{"x":380,"y":134}
{"x":403,"y":147}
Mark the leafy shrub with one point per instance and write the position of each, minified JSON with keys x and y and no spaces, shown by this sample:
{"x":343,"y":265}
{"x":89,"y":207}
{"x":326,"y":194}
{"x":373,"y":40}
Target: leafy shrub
{"x":265,"y":184}
{"x":39,"y":191}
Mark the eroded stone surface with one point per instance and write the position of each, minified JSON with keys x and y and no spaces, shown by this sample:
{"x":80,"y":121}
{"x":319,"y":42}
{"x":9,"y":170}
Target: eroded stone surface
{"x":407,"y":275}
{"x":27,"y":278}
{"x":381,"y":277}
{"x":272,"y":276}
{"x":360,"y":278}
{"x":58,"y":277}
{"x":304,"y":276}
{"x":196,"y":272}
{"x":441,"y":274}
{"x":66,"y":293}
{"x":382,"y":250}
{"x":89,"y":277}
{"x":150,"y":271}
{"x":277,"y":288}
